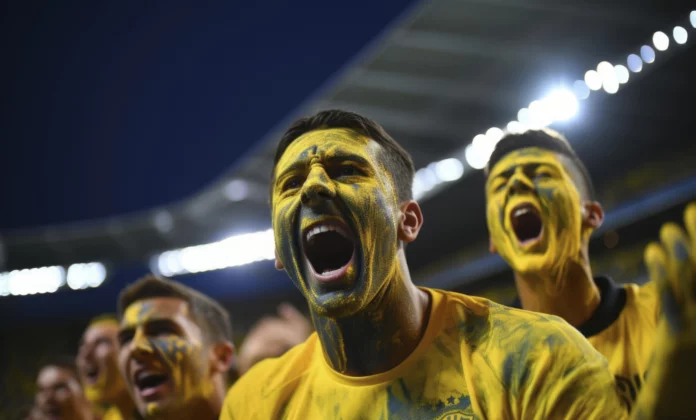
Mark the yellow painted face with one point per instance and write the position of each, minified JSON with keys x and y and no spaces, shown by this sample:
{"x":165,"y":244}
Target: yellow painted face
{"x":534,"y":214}
{"x":335,"y":217}
{"x":163,"y":357}
{"x":97,"y":363}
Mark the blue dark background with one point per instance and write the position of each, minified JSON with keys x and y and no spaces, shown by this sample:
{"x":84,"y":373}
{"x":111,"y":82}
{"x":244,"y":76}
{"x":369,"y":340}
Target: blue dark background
{"x":113,"y":107}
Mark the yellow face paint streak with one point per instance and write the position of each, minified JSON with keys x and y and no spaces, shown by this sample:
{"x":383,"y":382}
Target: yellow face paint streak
{"x":537,"y":177}
{"x":345,"y":165}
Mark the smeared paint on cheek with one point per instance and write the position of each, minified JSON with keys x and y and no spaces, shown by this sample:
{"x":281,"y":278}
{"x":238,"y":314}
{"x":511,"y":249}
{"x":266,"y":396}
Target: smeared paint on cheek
{"x":184,"y":360}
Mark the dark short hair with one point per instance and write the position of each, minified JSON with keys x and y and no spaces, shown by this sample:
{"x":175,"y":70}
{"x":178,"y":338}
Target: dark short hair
{"x":206,"y":312}
{"x":551,"y":140}
{"x":60,"y":361}
{"x":397,"y":160}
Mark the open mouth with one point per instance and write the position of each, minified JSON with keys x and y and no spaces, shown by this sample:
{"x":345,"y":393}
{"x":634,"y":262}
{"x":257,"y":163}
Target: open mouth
{"x":330,"y":250}
{"x":151,"y":385}
{"x":526,"y":222}
{"x":51,"y":412}
{"x":92,"y":374}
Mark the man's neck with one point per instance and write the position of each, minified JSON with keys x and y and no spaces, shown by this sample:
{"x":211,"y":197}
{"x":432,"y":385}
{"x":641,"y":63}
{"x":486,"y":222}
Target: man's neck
{"x":382,"y":335}
{"x":203,"y":408}
{"x":124,"y":405}
{"x":575,"y":302}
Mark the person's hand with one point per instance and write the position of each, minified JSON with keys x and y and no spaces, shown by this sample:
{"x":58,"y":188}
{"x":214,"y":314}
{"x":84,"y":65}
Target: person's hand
{"x":272,"y":336}
{"x":671,"y":264}
{"x":671,"y":376}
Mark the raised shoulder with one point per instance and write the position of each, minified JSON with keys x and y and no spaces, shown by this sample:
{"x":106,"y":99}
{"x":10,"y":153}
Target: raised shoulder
{"x":264,"y":386}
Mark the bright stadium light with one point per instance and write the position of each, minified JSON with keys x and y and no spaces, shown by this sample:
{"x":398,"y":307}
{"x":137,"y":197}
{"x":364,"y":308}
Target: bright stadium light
{"x":493,"y":135}
{"x":82,"y":276}
{"x":476,"y":157}
{"x":164,"y":222}
{"x":680,"y":35}
{"x":635,"y":63}
{"x":561,"y":105}
{"x":593,"y":80}
{"x":31,"y":281}
{"x":236,"y":190}
{"x":647,"y":54}
{"x":692,"y":17}
{"x":449,"y":170}
{"x":581,"y":90}
{"x":661,"y":41}
{"x":609,"y":81}
{"x":233,"y":251}
{"x":523,"y":116}
{"x":622,"y":73}
{"x":540,"y":114}
{"x":515,"y":127}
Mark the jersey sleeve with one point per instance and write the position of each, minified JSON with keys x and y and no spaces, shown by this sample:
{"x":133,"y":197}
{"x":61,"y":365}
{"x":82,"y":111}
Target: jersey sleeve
{"x":566,"y":378}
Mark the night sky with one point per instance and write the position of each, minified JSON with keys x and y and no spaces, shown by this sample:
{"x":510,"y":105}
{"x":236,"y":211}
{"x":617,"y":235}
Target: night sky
{"x":113,"y":107}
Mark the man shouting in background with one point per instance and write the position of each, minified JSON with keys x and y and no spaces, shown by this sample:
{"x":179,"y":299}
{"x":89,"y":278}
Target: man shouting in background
{"x":343,"y":213}
{"x":541,"y":211}
{"x":175,"y":350}
{"x":97,"y":365}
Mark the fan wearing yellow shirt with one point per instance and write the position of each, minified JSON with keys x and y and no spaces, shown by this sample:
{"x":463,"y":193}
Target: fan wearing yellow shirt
{"x":97,"y":365}
{"x":343,"y":214}
{"x":541,"y":211}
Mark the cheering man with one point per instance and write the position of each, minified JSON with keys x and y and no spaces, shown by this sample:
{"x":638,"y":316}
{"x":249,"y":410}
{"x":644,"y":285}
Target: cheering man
{"x":343,"y":214}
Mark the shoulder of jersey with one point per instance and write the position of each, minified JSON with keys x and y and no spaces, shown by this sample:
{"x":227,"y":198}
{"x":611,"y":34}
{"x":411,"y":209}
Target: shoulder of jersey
{"x":271,"y":374}
{"x":483,"y":306}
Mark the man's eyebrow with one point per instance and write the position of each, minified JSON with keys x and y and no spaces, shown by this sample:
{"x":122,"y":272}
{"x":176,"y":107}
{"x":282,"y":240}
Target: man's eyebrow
{"x":295,"y":166}
{"x":347,"y":157}
{"x":527,"y":166}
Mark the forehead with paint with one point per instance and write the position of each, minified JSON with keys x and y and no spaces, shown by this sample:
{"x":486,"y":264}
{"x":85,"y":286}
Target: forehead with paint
{"x":155,"y":309}
{"x":526,"y":160}
{"x":326,"y":147}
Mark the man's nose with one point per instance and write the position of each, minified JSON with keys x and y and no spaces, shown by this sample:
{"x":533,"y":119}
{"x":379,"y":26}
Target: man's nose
{"x":520,"y":183}
{"x":142,"y":347}
{"x":318,"y":187}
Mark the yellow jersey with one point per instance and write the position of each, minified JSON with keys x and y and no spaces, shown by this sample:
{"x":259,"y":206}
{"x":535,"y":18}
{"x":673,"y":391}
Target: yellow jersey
{"x":476,"y":359}
{"x":112,"y":413}
{"x":624,"y":328}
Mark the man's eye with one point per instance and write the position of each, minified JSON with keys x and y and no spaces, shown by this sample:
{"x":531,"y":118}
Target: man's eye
{"x":544,"y":174}
{"x":499,"y":187}
{"x":163,"y":328}
{"x":347,"y":170}
{"x":292,"y":183}
{"x":124,"y":337}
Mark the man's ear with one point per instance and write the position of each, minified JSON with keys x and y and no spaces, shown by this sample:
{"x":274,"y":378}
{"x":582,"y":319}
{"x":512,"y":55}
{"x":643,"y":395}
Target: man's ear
{"x":223,"y":355}
{"x":592,"y":215}
{"x":410,"y":222}
{"x":278,"y":263}
{"x":491,"y":246}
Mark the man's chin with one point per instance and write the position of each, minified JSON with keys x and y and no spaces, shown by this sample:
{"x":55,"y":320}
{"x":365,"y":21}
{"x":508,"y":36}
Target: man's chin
{"x":337,"y":303}
{"x":157,"y":409}
{"x":529,"y":264}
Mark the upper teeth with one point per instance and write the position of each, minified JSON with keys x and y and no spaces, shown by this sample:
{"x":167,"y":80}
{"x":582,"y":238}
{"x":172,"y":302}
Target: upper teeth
{"x":521,"y":211}
{"x":325,"y":228}
{"x":144,"y":374}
